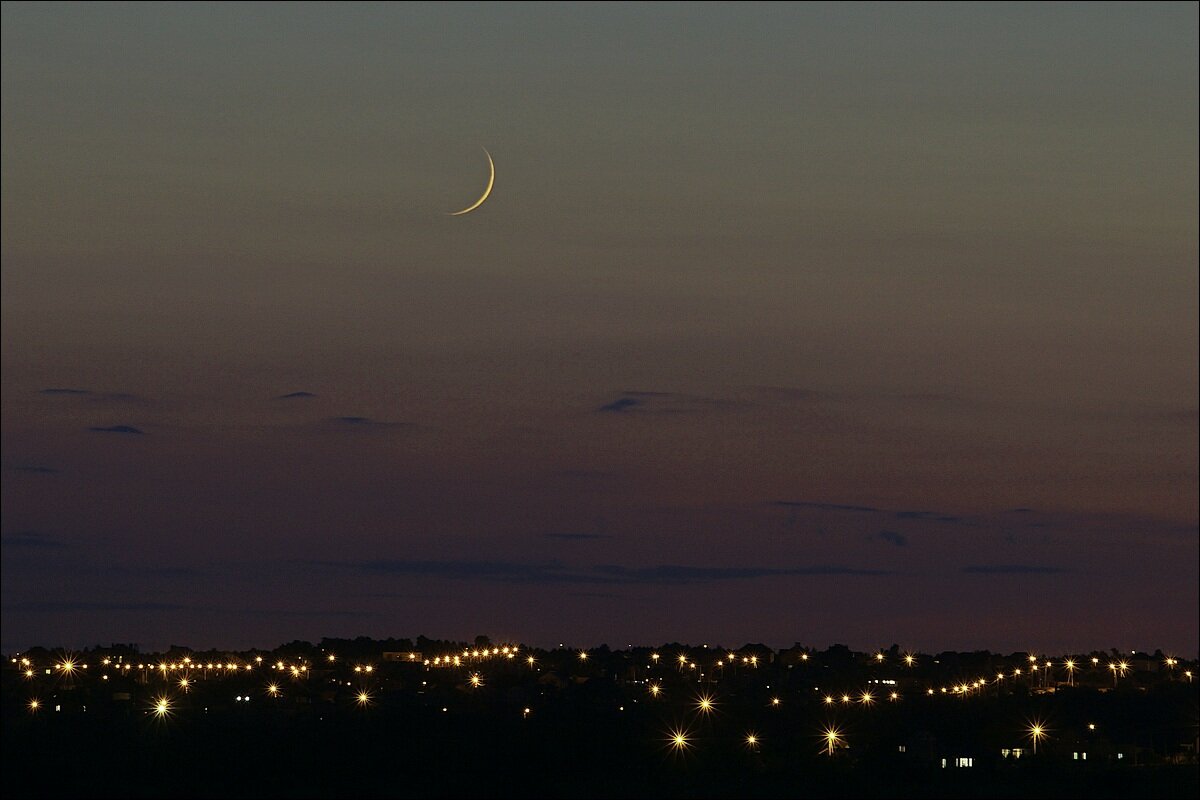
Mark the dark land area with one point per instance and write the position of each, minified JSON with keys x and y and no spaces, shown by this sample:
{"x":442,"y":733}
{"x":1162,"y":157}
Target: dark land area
{"x":401,"y":719}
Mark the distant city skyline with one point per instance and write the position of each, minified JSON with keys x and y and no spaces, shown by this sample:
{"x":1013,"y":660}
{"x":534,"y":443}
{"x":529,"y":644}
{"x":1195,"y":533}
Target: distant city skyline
{"x":859,"y":323}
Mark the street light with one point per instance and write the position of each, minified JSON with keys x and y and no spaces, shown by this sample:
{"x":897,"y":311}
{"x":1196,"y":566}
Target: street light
{"x":1118,"y":669}
{"x":1037,"y":732}
{"x":833,"y":738}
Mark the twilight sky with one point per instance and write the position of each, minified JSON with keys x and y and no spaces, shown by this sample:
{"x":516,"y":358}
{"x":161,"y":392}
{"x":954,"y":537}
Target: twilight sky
{"x":860,"y":324}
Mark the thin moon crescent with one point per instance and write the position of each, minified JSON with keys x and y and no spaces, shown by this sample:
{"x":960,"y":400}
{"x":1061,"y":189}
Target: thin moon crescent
{"x":486,"y":192}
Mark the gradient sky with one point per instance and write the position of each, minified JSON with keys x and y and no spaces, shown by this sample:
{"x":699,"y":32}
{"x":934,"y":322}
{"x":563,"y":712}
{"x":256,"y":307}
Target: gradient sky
{"x":861,"y":324}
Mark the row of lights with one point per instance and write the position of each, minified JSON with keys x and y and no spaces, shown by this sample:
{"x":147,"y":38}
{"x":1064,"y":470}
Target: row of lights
{"x":1118,"y":669}
{"x":70,"y":666}
{"x":680,"y":740}
{"x":505,"y":651}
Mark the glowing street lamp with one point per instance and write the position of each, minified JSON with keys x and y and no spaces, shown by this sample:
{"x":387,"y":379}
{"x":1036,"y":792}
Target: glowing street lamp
{"x":1119,"y":668}
{"x":833,"y":738}
{"x":1070,"y":665}
{"x":679,"y":740}
{"x":1037,"y":732}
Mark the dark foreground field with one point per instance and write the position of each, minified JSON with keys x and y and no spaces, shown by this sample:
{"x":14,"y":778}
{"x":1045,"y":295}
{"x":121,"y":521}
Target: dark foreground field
{"x":425,"y":753}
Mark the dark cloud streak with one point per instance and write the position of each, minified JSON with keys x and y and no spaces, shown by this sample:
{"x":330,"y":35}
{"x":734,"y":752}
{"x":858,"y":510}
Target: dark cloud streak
{"x":825,"y":506}
{"x":32,"y":540}
{"x":1013,"y":569}
{"x":74,"y":606}
{"x":555,"y":572}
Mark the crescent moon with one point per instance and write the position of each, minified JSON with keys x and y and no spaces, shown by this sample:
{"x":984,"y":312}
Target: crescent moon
{"x":491,"y":182}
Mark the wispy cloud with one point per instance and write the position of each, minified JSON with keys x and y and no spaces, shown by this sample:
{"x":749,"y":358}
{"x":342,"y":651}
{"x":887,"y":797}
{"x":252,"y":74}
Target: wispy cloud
{"x":555,"y":572}
{"x":793,"y":393}
{"x":929,"y":516}
{"x":92,"y":396}
{"x":1013,"y":569}
{"x":295,"y":396}
{"x":36,"y":470}
{"x":620,"y":405}
{"x":824,"y":506}
{"x":577,"y":535}
{"x":936,"y":516}
{"x":586,"y":474}
{"x":673,"y":573}
{"x":125,"y":429}
{"x":33,"y":540}
{"x":504,"y":571}
{"x":648,"y":402}
{"x":65,"y":606}
{"x":242,"y":611}
{"x":364,"y":422}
